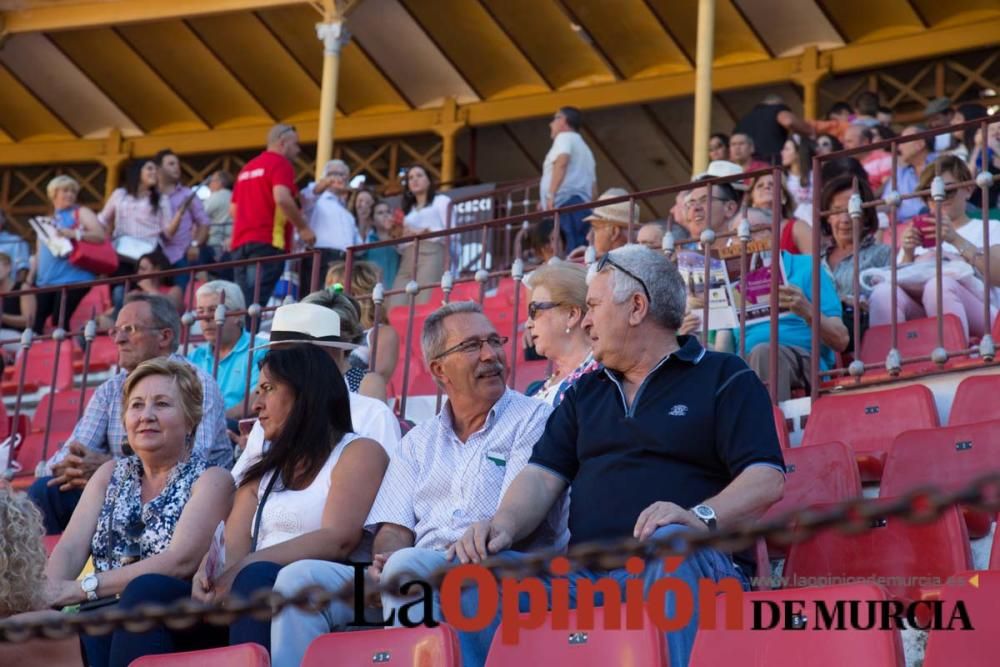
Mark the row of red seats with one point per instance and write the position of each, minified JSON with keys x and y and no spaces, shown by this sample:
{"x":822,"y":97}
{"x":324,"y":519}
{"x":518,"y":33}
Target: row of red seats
{"x":868,"y":422}
{"x":807,"y":644}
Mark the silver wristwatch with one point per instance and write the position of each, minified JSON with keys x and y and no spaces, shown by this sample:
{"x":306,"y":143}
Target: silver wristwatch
{"x":89,"y":585}
{"x":706,"y":514}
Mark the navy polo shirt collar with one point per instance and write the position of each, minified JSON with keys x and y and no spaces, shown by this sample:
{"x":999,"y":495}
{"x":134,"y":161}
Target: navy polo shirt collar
{"x":690,"y":352}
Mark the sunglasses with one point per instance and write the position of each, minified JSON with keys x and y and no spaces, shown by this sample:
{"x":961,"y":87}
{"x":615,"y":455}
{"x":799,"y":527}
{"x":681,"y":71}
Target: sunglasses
{"x":606,"y":261}
{"x":536,"y":307}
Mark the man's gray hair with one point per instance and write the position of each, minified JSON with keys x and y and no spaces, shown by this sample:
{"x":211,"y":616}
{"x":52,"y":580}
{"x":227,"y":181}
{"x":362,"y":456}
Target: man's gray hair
{"x":663,"y":280}
{"x":433,"y":337}
{"x":164,"y":315}
{"x":232,"y":295}
{"x":328,"y":167}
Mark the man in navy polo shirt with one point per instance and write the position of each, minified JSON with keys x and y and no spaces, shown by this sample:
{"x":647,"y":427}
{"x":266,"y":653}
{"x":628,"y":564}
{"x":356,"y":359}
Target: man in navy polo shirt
{"x":666,"y":437}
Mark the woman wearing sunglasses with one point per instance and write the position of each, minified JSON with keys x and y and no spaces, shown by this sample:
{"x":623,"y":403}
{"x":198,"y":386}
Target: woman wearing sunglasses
{"x":152,"y":512}
{"x":555,"y":313}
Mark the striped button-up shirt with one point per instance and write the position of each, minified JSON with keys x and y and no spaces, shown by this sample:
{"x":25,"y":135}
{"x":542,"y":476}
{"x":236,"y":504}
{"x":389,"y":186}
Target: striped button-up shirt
{"x":438,"y":486}
{"x":102,"y":429}
{"x":135,"y":217}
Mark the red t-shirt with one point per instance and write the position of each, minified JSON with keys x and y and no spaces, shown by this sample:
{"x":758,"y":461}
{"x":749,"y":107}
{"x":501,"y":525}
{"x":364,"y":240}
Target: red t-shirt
{"x":258,"y":219}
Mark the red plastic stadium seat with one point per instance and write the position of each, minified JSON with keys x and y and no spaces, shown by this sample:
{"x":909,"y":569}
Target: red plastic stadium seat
{"x":97,"y":301}
{"x":594,"y":647}
{"x":4,"y":426}
{"x":807,"y":644}
{"x":816,"y":475}
{"x":40,"y":360}
{"x":975,"y":399}
{"x":867,"y":422}
{"x":782,"y":427}
{"x":893,"y":548}
{"x":421,"y":381}
{"x":419,"y":647}
{"x":948,"y":457}
{"x":241,"y":655}
{"x":916,"y":338}
{"x":995,"y":552}
{"x":980,"y":594}
{"x":50,"y":542}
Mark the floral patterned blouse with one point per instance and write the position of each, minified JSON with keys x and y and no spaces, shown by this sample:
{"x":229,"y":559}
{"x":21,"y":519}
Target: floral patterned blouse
{"x":127,"y":530}
{"x":552,"y":392}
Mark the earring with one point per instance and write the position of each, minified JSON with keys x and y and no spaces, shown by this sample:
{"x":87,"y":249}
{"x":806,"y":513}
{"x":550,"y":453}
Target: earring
{"x":567,"y":329}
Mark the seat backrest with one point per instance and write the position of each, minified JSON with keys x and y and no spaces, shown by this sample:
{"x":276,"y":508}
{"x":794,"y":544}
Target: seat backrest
{"x":976,"y":648}
{"x":916,"y":338}
{"x":807,"y":644}
{"x":868,"y":422}
{"x":816,"y":475}
{"x":587,"y":647}
{"x":423,"y":646}
{"x":782,"y":427}
{"x":947,"y":457}
{"x":241,"y":655}
{"x":40,"y":360}
{"x":975,"y":399}
{"x":893,"y":548}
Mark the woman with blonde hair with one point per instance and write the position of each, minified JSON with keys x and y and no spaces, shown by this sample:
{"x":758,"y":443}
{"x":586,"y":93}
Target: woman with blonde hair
{"x":556,"y":309}
{"x":364,"y":277}
{"x":22,"y":552}
{"x":73,"y":222}
{"x":153,"y":512}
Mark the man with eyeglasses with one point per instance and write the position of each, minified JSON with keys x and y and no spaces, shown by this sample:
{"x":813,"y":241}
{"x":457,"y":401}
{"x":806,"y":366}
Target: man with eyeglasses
{"x":147,"y":327}
{"x":666,"y":439}
{"x":451,"y":471}
{"x":264,"y":211}
{"x":569,"y":175}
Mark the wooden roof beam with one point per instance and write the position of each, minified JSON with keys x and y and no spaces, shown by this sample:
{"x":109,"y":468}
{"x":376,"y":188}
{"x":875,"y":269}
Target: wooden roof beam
{"x":66,"y":16}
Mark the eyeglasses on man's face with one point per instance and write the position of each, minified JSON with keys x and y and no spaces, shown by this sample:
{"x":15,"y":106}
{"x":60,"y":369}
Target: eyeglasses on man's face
{"x":474,"y":345}
{"x":130,"y":329}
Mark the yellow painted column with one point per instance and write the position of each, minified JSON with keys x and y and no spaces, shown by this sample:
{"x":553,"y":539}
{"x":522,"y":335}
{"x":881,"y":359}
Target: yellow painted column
{"x":447,"y":154}
{"x":115,"y":155}
{"x":329,"y":32}
{"x":811,"y":72}
{"x":703,"y":84}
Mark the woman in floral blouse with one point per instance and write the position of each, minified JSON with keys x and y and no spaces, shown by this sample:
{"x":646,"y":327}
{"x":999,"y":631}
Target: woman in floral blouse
{"x":152,"y":512}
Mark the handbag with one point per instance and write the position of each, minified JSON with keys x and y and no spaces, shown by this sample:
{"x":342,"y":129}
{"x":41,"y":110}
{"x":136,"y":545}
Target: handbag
{"x":98,"y":258}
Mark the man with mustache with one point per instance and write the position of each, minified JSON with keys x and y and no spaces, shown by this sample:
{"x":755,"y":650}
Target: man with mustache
{"x":451,"y":471}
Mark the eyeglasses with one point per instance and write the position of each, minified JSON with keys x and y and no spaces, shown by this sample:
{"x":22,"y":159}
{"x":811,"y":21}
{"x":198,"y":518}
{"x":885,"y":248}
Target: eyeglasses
{"x":536,"y":306}
{"x":606,"y":261}
{"x":474,"y":345}
{"x":129,"y":330}
{"x":701,"y":202}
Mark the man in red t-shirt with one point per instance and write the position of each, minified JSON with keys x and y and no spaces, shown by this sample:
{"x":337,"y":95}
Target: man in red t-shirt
{"x":264,"y":211}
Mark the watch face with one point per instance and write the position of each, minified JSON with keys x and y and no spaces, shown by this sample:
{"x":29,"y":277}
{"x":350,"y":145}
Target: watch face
{"x":90,"y":583}
{"x":704,"y":512}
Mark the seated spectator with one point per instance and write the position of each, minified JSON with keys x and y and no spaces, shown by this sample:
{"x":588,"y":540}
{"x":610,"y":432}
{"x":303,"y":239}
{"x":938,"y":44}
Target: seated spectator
{"x":827,"y":143}
{"x":718,"y":147}
{"x":540,"y":244}
{"x":795,"y":328}
{"x":741,"y":152}
{"x":238,"y":361}
{"x":609,"y":223}
{"x":651,"y":235}
{"x":324,"y":203}
{"x":878,"y":163}
{"x":884,"y":116}
{"x":796,"y":235}
{"x":17,"y":312}
{"x":724,"y":203}
{"x":75,"y":222}
{"x":987,"y":158}
{"x":147,"y":327}
{"x":939,"y":113}
{"x":796,"y":157}
{"x":451,"y":471}
{"x":914,"y":157}
{"x":315,"y":461}
{"x":554,"y":328}
{"x":424,"y":211}
{"x":145,"y":517}
{"x":961,"y":241}
{"x":22,"y":597}
{"x":963,"y":141}
{"x":17,"y":249}
{"x":319,"y":322}
{"x":701,"y":450}
{"x":838,"y":255}
{"x":153,"y":262}
{"x":364,"y":277}
{"x":383,"y":229}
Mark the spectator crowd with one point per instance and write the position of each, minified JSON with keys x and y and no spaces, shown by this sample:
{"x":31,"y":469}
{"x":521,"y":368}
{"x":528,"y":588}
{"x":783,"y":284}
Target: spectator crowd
{"x":177,"y":484}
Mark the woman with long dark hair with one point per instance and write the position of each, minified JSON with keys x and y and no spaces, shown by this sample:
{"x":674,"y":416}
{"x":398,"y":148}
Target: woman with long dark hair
{"x":314,"y":460}
{"x":424,"y":211}
{"x":796,"y":157}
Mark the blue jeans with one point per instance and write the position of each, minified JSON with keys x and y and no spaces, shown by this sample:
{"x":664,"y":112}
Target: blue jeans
{"x":121,"y":647}
{"x":270,"y":272}
{"x":182,"y":279}
{"x":704,"y":564}
{"x":572,"y":224}
{"x":56,"y":506}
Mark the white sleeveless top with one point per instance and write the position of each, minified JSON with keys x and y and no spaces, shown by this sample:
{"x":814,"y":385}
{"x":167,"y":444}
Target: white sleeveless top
{"x":288,"y":513}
